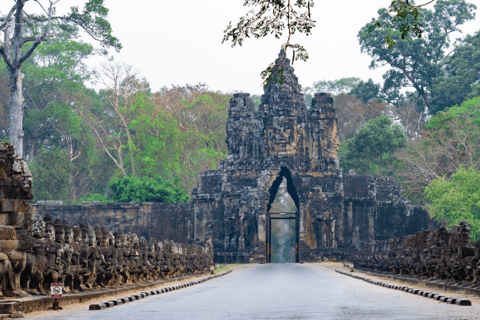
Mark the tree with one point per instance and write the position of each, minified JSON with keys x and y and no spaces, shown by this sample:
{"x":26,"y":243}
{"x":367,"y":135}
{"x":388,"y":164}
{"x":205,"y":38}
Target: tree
{"x":370,"y":150}
{"x":414,"y":61}
{"x":367,"y":91}
{"x":456,"y":199}
{"x":451,"y":139}
{"x":460,"y":78}
{"x":335,"y":87}
{"x":18,"y":46}
{"x":51,"y":170}
{"x":54,"y":75}
{"x":353,"y":113}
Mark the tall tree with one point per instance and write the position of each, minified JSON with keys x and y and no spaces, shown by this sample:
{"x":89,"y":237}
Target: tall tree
{"x":335,"y":87}
{"x":415,"y":62}
{"x":460,"y":79}
{"x":451,"y":139}
{"x":23,"y":32}
{"x":371,"y":149}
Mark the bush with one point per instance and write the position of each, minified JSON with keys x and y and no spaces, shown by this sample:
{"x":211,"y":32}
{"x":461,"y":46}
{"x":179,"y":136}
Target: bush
{"x":133,"y":189}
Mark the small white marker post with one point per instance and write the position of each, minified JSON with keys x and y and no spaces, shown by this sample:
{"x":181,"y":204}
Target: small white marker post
{"x":56,"y":291}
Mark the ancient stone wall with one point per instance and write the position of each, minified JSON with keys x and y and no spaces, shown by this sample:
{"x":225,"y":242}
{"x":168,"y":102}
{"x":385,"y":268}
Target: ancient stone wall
{"x":164,"y":221}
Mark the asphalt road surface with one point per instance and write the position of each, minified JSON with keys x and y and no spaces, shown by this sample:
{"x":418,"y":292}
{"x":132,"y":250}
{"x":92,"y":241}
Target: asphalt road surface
{"x":280,"y":291}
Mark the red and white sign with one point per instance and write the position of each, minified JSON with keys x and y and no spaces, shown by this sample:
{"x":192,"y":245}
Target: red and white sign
{"x":56,"y":290}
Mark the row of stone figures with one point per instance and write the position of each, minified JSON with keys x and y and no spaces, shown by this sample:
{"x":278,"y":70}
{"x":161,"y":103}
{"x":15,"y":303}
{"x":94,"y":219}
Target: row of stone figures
{"x":429,"y":254}
{"x":85,"y":258}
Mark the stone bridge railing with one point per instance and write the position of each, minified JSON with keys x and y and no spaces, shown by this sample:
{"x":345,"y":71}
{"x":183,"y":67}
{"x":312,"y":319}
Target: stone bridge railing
{"x":429,"y":254}
{"x":36,"y":251}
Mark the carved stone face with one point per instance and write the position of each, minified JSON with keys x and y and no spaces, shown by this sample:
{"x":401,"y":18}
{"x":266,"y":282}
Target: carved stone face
{"x":99,"y":237}
{"x":118,"y":242}
{"x":50,"y":232}
{"x":91,"y":238}
{"x":59,"y":234}
{"x":69,"y":235}
{"x":77,"y":235}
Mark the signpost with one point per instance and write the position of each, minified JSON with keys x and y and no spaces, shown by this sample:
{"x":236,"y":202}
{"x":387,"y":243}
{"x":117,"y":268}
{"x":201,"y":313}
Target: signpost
{"x":56,"y":292}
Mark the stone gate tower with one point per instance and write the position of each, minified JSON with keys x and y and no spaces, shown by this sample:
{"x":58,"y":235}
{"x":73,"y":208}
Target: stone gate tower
{"x":285,"y":139}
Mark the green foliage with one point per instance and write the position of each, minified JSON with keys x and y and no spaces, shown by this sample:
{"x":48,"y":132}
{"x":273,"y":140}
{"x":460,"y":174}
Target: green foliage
{"x":335,"y":87}
{"x":415,"y":62}
{"x":469,"y":109}
{"x":370,"y":150}
{"x":51,"y":173}
{"x":456,"y":199}
{"x":451,"y":139}
{"x":272,"y":18}
{"x":367,"y":91}
{"x":145,"y":189}
{"x":460,"y":79}
{"x":405,"y":20}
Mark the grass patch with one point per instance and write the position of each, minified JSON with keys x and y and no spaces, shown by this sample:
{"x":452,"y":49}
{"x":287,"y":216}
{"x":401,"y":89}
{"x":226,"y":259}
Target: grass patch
{"x":220,"y":268}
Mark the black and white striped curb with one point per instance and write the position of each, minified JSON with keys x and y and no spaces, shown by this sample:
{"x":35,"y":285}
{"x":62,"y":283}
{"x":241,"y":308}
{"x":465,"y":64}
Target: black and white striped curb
{"x":434,"y":296}
{"x":135,"y":297}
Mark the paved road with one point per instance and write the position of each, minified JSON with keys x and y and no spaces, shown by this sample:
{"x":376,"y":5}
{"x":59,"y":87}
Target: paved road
{"x":280,"y":291}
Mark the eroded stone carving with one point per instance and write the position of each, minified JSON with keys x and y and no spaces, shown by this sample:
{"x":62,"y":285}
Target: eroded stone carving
{"x":429,"y":254}
{"x":36,"y":252}
{"x":286,"y":139}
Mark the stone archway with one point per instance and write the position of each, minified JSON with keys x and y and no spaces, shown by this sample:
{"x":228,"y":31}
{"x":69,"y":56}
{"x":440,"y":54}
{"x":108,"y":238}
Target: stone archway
{"x":292,"y":191}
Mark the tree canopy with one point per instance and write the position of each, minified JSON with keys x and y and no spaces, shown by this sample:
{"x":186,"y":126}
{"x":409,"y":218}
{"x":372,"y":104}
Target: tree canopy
{"x":371,"y":149}
{"x":415,"y":62}
{"x":456,"y":199}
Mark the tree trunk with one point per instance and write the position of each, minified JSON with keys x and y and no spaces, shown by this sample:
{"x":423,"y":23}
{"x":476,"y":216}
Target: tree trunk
{"x":16,"y":110}
{"x":426,"y":100}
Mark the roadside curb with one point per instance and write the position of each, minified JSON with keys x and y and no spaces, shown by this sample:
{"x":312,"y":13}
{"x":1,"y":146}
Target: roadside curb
{"x":135,"y":297}
{"x":459,"y":302}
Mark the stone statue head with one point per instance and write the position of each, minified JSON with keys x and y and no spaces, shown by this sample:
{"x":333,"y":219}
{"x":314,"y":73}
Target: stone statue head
{"x":38,"y":227}
{"x":152,"y":242}
{"x":59,"y":231}
{"x":129,"y":240}
{"x":464,"y":232}
{"x":99,"y":236}
{"x":443,"y":236}
{"x":92,"y":240}
{"x":49,"y":231}
{"x":136,"y":242}
{"x":118,"y":243}
{"x":143,"y":244}
{"x":107,"y":240}
{"x":84,"y":229}
{"x":69,"y":235}
{"x":77,"y":234}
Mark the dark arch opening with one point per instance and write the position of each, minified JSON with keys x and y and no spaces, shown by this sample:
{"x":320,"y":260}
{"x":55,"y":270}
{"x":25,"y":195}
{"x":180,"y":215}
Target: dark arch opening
{"x":284,"y":172}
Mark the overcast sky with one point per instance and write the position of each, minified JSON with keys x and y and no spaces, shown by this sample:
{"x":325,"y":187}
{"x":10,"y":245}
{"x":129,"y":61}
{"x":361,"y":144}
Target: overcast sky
{"x":180,"y":41}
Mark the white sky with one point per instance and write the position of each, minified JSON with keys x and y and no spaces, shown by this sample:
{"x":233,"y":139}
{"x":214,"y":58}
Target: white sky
{"x":179,"y":42}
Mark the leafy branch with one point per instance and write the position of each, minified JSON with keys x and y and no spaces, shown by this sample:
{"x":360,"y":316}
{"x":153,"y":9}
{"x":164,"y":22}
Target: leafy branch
{"x":274,"y":17}
{"x":405,"y":20}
